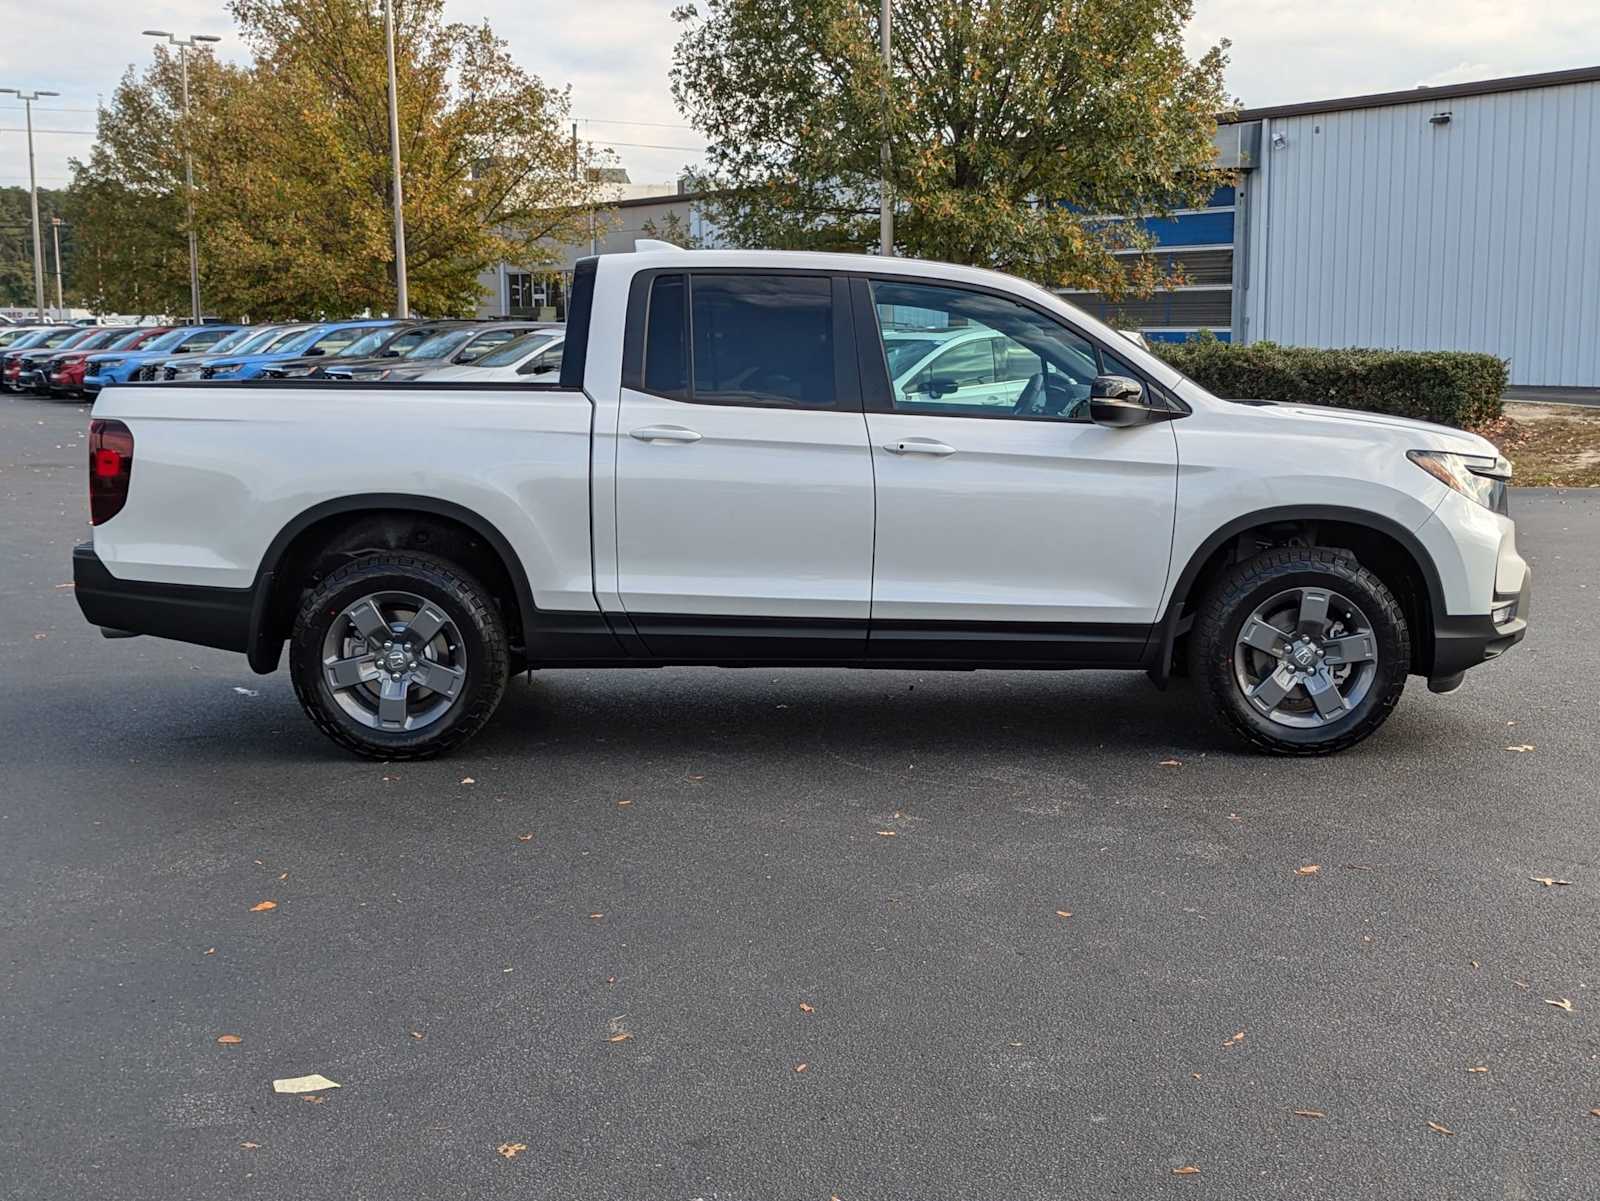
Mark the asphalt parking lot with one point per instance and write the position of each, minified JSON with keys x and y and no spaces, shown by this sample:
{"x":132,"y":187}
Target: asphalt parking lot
{"x":749,"y":873}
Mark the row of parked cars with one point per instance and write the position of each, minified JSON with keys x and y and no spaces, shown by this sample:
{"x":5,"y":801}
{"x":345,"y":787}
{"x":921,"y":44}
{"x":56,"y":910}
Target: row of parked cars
{"x":74,"y":361}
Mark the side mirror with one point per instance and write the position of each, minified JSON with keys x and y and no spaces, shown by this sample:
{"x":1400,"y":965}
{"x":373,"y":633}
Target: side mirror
{"x":941,"y":385}
{"x":390,"y":354}
{"x":315,"y":350}
{"x":1115,"y":401}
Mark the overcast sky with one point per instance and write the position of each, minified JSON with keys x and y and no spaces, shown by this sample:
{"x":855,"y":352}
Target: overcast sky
{"x":615,"y":55}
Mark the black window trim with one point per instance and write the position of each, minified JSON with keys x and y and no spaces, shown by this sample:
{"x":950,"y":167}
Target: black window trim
{"x":877,"y":389}
{"x":846,"y":366}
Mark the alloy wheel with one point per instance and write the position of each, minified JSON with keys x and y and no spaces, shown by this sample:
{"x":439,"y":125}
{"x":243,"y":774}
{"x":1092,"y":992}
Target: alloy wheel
{"x":1306,"y":657}
{"x":394,"y":661}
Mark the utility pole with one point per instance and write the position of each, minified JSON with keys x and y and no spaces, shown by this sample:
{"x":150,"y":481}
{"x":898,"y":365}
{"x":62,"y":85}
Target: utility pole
{"x":885,"y":202}
{"x":55,"y":233}
{"x":27,"y":99}
{"x":402,"y":297}
{"x":184,"y":45}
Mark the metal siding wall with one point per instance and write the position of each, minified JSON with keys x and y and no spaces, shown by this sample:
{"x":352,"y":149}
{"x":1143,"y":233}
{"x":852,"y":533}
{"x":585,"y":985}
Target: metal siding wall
{"x":1375,"y":228}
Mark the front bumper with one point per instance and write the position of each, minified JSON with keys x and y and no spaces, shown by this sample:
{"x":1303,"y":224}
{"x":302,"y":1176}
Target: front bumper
{"x":1463,"y":642}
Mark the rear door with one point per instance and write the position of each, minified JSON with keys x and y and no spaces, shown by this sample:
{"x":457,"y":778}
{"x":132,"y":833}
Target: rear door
{"x":744,"y":491}
{"x":1008,"y":525}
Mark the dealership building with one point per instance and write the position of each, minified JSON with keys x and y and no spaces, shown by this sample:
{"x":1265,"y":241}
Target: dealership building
{"x":1461,"y":217}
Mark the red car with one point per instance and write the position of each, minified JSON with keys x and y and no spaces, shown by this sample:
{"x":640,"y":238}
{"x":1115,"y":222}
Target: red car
{"x":63,"y":371}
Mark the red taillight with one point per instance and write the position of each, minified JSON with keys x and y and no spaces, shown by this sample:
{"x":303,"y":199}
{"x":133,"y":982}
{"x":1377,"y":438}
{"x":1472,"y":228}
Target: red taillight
{"x":110,"y":468}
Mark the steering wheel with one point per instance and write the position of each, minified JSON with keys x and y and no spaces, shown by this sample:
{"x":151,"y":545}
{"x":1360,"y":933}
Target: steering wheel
{"x":1030,"y":400}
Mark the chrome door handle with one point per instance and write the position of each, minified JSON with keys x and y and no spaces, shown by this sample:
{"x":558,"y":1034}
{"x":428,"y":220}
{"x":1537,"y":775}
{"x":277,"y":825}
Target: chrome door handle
{"x":664,"y":433}
{"x":919,"y":446}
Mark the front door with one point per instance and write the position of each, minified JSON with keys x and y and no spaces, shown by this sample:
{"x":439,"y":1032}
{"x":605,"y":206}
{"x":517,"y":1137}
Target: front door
{"x":744,"y":493}
{"x":1008,"y":524}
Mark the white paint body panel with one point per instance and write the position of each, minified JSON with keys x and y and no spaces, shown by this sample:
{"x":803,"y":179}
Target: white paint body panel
{"x":777,"y":512}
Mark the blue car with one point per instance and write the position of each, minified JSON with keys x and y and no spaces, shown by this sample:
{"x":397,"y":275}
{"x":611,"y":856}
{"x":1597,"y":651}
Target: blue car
{"x":252,"y":339}
{"x":327,"y":338}
{"x":103,"y":370}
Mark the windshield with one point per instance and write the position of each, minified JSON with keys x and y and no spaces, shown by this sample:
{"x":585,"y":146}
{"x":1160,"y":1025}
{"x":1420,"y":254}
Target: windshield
{"x":130,"y":337}
{"x":236,"y":340}
{"x":516,"y":350}
{"x":367,"y":344}
{"x":105,"y":339}
{"x":334,"y":340}
{"x":903,"y":353}
{"x":167,"y":340}
{"x":440,"y":346}
{"x":64,"y":338}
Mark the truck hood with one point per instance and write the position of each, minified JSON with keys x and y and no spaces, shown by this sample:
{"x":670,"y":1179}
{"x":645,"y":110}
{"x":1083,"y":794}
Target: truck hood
{"x":1419,"y":435}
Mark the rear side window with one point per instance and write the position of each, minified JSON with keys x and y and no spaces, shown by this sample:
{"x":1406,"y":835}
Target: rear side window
{"x":741,"y":339}
{"x":762,"y":340}
{"x":666,"y":338}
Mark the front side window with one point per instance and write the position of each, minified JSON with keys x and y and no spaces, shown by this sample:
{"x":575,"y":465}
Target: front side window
{"x":440,"y":346}
{"x":990,"y":356}
{"x":203,"y":339}
{"x":741,"y":339}
{"x":336,"y":340}
{"x":514,"y":351}
{"x":484,"y":343}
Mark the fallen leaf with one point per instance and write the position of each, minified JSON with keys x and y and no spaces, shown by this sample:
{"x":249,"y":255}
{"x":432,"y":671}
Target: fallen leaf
{"x":694,"y":779}
{"x":1063,"y":913}
{"x":1438,"y":1129}
{"x":1013,"y":1044}
{"x":804,"y":1008}
{"x":800,"y":1067}
{"x":886,"y":834}
{"x":1234,"y":817}
{"x":209,"y":951}
{"x":263,"y":907}
{"x":1309,"y":1113}
{"x":611,"y":979}
{"x":1521,"y":983}
{"x":1548,"y":881}
{"x":528,"y":837}
{"x":468,"y":780}
{"x":245,"y":691}
{"x":511,"y":1150}
{"x":1170,"y":763}
{"x":1194,"y":1076}
{"x":285,"y":876}
{"x":313,"y":1100}
{"x":1479,"y":1068}
{"x":1188,"y":1169}
{"x":40,"y":637}
{"x":1236,"y":1039}
{"x":619,"y":1038}
{"x":68,"y":584}
{"x":229,"y":1040}
{"x":1594,"y":1113}
{"x":596,"y":916}
{"x":418,"y":1035}
{"x":302,"y":1084}
{"x":249,"y":1146}
{"x":623,"y":802}
{"x":1473,"y":962}
{"x":1310,"y":869}
{"x":1521,"y":747}
{"x":1562,"y":1003}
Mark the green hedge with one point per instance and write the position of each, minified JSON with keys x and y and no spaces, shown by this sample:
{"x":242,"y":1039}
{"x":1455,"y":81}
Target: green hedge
{"x":1448,"y":386}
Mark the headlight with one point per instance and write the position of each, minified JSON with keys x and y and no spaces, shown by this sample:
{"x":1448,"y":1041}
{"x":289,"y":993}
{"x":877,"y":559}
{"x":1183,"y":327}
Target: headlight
{"x":290,"y":372}
{"x":1481,"y":478}
{"x":223,"y":369}
{"x":105,"y":365}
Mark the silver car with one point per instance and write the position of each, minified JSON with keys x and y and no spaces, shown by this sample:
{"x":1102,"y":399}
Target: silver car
{"x":533,"y":358}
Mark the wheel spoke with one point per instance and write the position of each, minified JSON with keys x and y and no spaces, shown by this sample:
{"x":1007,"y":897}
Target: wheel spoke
{"x":1313,"y":611}
{"x":392,"y":701}
{"x":426,"y":624}
{"x":437,"y":676}
{"x":347,"y":673}
{"x":1324,"y":694}
{"x":1355,"y":648}
{"x":1263,"y":637}
{"x":370,"y":622}
{"x":1269,"y":694}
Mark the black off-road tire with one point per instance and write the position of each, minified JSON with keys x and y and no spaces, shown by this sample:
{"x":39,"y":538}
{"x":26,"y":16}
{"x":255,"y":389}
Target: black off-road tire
{"x":1234,"y":597}
{"x":468,"y":604}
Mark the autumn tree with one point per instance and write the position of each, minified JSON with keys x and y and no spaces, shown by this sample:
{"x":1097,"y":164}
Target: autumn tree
{"x":1014,"y":127}
{"x":291,"y":157}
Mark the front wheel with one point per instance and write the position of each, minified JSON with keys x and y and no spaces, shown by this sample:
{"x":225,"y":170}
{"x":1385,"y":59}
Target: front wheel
{"x":399,"y":656}
{"x":1302,"y":650}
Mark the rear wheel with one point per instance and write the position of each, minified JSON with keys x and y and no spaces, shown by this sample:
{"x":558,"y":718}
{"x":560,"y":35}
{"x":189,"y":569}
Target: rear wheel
{"x":1302,"y":650}
{"x":399,"y":656}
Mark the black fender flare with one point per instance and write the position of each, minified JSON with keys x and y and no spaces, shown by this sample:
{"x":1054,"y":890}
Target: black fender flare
{"x":1166,"y":631}
{"x":265,"y":648}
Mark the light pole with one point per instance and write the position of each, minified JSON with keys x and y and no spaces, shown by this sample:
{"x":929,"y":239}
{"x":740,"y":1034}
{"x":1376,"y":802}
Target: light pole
{"x":402,"y":300}
{"x":55,"y":233}
{"x":27,"y":99}
{"x":184,"y":45}
{"x":885,"y":202}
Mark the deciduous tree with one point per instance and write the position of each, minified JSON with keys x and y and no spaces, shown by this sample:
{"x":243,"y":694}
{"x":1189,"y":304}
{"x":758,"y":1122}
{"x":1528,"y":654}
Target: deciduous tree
{"x":1014,"y":126}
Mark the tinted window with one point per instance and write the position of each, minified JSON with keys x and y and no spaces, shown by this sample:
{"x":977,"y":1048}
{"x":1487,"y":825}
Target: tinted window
{"x":367,"y":343}
{"x":514,"y":351}
{"x":204,"y":338}
{"x":542,"y":364}
{"x":336,"y":340}
{"x":483,"y":343}
{"x":666,"y":338}
{"x":1003,"y":359}
{"x":762,"y":339}
{"x":440,"y":346}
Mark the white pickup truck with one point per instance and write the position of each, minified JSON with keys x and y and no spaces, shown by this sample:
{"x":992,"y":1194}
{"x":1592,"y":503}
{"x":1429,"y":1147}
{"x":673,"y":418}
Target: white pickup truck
{"x":731,"y":471}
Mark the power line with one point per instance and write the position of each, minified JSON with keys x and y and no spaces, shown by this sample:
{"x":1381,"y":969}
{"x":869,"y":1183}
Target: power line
{"x":619,"y":121}
{"x":650,"y":146}
{"x":83,"y":133}
{"x":50,"y":108}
